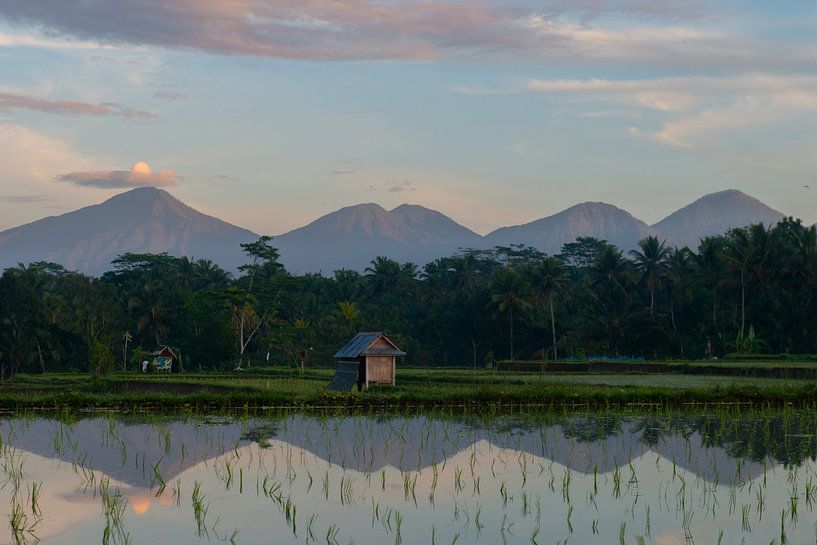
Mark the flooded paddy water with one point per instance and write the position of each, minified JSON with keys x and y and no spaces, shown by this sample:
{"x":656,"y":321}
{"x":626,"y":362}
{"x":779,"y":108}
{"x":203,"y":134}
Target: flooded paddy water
{"x":296,"y":478}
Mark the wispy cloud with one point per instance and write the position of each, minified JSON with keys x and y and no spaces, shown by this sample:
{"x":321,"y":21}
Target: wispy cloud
{"x":171,"y":95}
{"x":573,"y":31}
{"x":405,"y":185}
{"x":696,"y":106}
{"x":396,"y":187}
{"x":140,"y":175}
{"x":13,"y":40}
{"x":10,"y":101}
{"x":26,"y":199}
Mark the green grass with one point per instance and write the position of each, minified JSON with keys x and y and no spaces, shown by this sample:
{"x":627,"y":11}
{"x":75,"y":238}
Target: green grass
{"x":460,"y":389}
{"x":755,"y":363}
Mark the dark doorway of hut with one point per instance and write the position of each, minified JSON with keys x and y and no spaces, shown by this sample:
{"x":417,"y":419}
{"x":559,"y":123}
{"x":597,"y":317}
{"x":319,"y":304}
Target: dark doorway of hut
{"x":369,"y":358}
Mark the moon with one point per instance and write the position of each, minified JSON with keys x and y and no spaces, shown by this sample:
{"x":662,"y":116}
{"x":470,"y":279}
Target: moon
{"x":141,"y":167}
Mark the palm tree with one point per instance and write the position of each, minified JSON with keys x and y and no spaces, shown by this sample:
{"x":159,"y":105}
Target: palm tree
{"x":651,"y":262}
{"x":350,"y":313}
{"x":210,"y":274}
{"x":805,"y":244}
{"x":678,"y":273}
{"x":738,"y":253}
{"x":509,"y":298}
{"x":610,"y":271}
{"x":383,"y":274}
{"x":610,"y":278}
{"x":708,"y":260}
{"x":550,"y":281}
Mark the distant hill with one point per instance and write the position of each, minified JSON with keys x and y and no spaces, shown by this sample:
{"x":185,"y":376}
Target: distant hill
{"x":590,"y":219}
{"x":148,"y":220}
{"x":142,"y":220}
{"x":353,"y":236}
{"x":714,"y":214}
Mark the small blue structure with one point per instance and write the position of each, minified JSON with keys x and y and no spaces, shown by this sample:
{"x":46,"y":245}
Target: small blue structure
{"x":163,"y":359}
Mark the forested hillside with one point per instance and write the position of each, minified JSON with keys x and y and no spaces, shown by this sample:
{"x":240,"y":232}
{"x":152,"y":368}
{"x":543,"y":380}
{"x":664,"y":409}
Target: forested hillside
{"x":752,"y":290}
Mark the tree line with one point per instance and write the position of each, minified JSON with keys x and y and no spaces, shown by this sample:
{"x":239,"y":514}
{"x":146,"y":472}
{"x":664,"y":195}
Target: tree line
{"x":749,"y":291}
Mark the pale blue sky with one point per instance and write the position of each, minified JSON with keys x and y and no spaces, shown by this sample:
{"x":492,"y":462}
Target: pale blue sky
{"x":271,"y":113}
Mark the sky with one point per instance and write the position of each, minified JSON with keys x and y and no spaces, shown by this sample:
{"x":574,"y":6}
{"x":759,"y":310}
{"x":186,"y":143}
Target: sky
{"x":270,"y":113}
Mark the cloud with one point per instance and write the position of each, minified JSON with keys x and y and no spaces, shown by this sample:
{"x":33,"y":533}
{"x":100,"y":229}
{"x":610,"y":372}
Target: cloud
{"x":405,"y":185}
{"x":677,"y":93}
{"x":697,"y":107}
{"x":614,"y":114}
{"x":171,"y":95}
{"x":10,"y":40}
{"x":140,"y":175}
{"x":9,"y":101}
{"x":26,"y":199}
{"x":567,"y":31}
{"x":398,"y":187}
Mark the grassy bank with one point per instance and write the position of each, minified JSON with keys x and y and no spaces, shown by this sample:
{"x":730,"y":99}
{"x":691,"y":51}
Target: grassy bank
{"x":417,"y":389}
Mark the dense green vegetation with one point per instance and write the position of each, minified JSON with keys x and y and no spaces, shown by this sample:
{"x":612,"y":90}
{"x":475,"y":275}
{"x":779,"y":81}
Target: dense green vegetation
{"x":750,"y":291}
{"x":418,"y":389}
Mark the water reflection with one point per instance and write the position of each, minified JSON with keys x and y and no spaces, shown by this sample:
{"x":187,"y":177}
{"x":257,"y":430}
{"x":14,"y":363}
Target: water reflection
{"x":302,"y":479}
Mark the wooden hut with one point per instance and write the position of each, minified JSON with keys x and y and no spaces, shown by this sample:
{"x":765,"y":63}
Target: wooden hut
{"x":370,"y":357}
{"x":163,"y":359}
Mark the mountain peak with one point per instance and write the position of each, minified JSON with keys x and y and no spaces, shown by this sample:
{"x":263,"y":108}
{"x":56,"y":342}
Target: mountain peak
{"x":142,"y":220}
{"x":714,"y":214}
{"x":588,"y":219}
{"x":354,"y":235}
{"x":406,"y":207}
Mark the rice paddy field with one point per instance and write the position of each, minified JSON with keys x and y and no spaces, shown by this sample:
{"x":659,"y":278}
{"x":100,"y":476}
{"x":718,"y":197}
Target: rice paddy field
{"x":448,"y":456}
{"x":417,"y":389}
{"x":729,"y":476}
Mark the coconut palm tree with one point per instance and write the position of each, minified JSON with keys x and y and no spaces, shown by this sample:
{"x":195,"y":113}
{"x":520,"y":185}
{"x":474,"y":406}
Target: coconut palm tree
{"x":738,"y":254}
{"x":350,"y":314}
{"x":509,"y":298}
{"x":550,"y":280}
{"x":709,"y":263}
{"x":651,"y":262}
{"x":383,"y":274}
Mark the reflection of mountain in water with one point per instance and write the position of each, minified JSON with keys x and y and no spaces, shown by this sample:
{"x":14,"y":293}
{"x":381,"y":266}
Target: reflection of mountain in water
{"x":723,"y":450}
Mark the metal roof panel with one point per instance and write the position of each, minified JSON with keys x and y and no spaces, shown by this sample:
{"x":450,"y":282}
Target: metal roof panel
{"x":358,"y":344}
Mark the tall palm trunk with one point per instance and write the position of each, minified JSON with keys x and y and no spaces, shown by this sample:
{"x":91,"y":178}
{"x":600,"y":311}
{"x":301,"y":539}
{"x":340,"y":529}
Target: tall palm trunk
{"x":742,"y":302}
{"x":553,"y":331}
{"x":672,"y":313}
{"x":511,"y":315}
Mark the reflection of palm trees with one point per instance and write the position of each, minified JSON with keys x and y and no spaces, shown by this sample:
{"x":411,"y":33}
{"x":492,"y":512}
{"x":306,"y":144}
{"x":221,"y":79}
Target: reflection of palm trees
{"x":591,"y":429}
{"x":261,"y":434}
{"x":652,"y":429}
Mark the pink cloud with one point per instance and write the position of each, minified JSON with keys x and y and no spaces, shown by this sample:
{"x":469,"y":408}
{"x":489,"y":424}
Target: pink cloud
{"x":327,"y":29}
{"x":10,"y":101}
{"x":140,"y":175}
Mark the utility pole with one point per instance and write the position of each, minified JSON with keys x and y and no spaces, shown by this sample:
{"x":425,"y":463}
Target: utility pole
{"x":127,"y":338}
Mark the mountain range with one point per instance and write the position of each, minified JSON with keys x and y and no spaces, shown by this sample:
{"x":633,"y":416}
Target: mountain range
{"x":149,"y":220}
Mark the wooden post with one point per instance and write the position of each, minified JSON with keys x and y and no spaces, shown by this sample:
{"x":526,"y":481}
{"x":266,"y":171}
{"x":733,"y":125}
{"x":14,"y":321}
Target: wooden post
{"x":366,"y":359}
{"x":393,"y":370}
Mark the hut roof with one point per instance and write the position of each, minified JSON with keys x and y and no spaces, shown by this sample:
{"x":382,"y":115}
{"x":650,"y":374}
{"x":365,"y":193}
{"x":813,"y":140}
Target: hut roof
{"x":160,"y":351}
{"x":361,"y":343}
